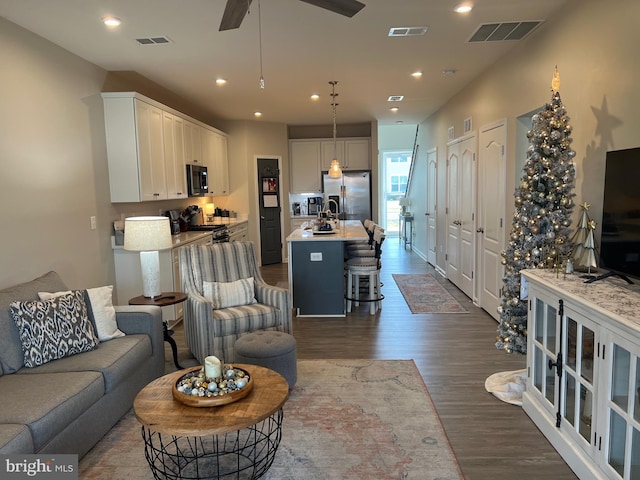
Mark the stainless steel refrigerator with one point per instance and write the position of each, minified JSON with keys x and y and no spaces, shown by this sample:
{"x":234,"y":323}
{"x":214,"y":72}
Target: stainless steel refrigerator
{"x":355,"y":203}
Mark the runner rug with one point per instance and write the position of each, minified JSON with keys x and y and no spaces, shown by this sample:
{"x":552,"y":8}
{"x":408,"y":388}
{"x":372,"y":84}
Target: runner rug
{"x":424,"y":294}
{"x":344,"y":419}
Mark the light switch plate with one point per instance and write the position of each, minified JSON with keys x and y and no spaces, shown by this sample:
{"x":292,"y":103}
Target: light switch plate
{"x":316,"y":256}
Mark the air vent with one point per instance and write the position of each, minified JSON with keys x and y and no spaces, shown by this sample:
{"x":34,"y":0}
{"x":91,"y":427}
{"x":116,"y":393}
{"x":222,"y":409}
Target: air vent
{"x":495,"y":32}
{"x":395,"y":98}
{"x":407,"y":31}
{"x":153,"y":40}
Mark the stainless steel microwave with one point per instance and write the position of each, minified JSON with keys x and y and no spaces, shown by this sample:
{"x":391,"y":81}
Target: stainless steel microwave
{"x":197,"y":180}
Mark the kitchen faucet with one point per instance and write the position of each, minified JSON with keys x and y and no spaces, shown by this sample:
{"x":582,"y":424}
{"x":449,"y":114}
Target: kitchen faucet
{"x":328,"y":210}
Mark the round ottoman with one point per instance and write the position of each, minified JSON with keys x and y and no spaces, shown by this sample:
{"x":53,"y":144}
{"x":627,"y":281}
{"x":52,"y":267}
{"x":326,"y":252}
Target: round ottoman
{"x":271,"y":349}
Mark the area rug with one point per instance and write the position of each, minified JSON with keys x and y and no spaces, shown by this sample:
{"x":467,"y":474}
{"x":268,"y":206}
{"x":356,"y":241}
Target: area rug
{"x":424,"y":294}
{"x":344,"y":419}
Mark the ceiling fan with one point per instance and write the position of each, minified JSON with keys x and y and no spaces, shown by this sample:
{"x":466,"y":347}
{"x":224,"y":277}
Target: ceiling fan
{"x":236,"y":10}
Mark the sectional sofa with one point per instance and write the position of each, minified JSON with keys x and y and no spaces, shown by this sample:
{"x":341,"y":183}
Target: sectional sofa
{"x":67,"y":404}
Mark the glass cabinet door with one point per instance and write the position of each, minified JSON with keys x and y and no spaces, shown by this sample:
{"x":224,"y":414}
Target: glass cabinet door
{"x":621,"y":444}
{"x":544,"y":348}
{"x":578,"y":378}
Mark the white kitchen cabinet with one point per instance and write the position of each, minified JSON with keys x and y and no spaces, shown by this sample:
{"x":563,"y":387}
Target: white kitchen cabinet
{"x":583,"y":372}
{"x":135,"y":149}
{"x":129,"y":275}
{"x":239,"y":232}
{"x":173,"y":139}
{"x":149,"y":144}
{"x":304,"y":157}
{"x":214,"y":152}
{"x":357,"y":154}
{"x":193,"y":143}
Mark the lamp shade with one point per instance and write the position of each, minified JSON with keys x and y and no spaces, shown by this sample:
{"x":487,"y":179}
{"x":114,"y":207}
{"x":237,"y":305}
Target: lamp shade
{"x":145,"y":234}
{"x":335,"y":171}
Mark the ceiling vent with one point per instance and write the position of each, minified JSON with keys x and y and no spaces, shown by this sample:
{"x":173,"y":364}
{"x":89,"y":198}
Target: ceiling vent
{"x":395,"y":98}
{"x":153,"y":40}
{"x":407,"y":31}
{"x":495,"y":32}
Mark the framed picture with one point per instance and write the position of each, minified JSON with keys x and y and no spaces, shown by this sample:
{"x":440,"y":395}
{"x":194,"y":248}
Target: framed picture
{"x":269,"y":185}
{"x":269,"y":201}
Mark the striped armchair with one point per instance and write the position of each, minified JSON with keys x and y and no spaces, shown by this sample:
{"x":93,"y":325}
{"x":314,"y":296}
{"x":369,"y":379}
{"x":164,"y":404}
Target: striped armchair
{"x":210,"y":331}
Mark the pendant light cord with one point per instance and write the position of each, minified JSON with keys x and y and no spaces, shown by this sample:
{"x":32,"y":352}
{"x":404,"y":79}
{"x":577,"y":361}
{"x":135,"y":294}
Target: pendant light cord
{"x":260,"y":39}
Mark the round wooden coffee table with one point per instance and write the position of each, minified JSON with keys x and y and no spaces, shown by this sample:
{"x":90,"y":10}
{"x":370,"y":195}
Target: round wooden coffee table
{"x":234,"y":441}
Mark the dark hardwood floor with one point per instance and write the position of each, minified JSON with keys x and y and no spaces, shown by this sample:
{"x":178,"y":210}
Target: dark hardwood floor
{"x":455,"y":354}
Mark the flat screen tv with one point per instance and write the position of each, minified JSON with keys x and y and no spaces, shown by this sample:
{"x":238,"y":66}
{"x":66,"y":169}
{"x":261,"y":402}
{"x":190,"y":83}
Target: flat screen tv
{"x":620,"y":240}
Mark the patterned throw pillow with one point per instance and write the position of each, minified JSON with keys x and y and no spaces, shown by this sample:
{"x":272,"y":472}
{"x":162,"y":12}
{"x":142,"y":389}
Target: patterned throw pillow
{"x":230,"y":294}
{"x":54,"y":328}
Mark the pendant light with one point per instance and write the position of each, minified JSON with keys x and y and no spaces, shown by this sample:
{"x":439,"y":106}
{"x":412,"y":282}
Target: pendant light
{"x":335,"y":170}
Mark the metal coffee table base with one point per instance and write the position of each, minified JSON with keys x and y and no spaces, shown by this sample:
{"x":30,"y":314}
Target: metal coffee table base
{"x":243,"y":454}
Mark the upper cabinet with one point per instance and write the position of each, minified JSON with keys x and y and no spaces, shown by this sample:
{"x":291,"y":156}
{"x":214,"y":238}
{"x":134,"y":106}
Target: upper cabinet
{"x":214,"y":155}
{"x":310,"y":157}
{"x":304,"y":156}
{"x":149,"y":145}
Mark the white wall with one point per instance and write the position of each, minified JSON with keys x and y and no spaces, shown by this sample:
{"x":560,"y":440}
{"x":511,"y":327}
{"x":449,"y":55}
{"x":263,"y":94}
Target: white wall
{"x":594,"y":44}
{"x":54,"y":167}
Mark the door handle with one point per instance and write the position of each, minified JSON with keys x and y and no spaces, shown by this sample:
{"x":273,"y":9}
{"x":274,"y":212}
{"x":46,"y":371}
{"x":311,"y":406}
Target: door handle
{"x":480,"y":230}
{"x":427,"y":214}
{"x":261,"y":217}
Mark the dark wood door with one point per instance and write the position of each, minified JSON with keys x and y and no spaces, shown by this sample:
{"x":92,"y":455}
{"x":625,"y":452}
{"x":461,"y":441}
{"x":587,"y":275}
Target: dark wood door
{"x":270,"y":210}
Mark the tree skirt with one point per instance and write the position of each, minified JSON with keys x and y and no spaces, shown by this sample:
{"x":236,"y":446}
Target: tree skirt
{"x":507,"y":386}
{"x":424,"y":294}
{"x":355,"y":419}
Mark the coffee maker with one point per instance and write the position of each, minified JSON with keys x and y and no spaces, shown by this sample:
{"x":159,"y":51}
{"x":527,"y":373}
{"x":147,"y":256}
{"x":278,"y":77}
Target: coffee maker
{"x":174,"y":221}
{"x":314,"y":205}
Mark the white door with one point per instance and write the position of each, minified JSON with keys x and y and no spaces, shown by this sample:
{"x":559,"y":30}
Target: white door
{"x":432,"y":160}
{"x":453,"y":214}
{"x":467,"y":208}
{"x":491,"y":199}
{"x":461,"y":182}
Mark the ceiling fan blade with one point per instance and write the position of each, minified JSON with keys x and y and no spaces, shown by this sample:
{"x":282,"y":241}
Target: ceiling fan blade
{"x":234,"y":13}
{"x":348,"y":8}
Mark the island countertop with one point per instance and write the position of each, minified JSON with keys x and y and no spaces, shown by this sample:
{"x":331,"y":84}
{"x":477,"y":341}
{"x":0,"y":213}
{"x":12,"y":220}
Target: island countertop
{"x":349,"y":230}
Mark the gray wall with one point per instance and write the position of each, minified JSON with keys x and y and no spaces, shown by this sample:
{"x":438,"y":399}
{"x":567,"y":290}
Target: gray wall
{"x":594,"y":44}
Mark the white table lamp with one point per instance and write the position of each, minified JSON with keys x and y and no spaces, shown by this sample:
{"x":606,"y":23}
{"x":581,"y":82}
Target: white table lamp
{"x":148,"y":235}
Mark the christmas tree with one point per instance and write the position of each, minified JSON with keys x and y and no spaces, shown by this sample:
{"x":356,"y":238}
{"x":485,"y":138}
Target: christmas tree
{"x":543,"y":206}
{"x":584,"y":254}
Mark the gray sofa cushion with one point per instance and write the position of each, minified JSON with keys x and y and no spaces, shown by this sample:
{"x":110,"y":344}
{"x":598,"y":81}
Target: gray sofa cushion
{"x":50,"y":401}
{"x":15,"y":438}
{"x":11,"y":356}
{"x":116,"y":359}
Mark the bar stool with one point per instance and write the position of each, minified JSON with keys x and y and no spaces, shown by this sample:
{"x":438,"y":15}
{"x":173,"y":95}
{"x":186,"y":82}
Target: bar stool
{"x":368,"y":226}
{"x":368,"y":267}
{"x":364,"y":250}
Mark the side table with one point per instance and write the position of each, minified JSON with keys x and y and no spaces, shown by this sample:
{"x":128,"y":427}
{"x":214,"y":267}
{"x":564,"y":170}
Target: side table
{"x":164,"y":300}
{"x":238,"y":440}
{"x":406,"y":219}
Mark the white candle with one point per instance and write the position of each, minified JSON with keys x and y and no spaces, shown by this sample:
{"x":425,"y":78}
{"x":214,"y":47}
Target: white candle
{"x":212,"y":367}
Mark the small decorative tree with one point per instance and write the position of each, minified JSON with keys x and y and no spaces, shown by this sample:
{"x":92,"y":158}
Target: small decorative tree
{"x":542,"y":217}
{"x":584,"y":254}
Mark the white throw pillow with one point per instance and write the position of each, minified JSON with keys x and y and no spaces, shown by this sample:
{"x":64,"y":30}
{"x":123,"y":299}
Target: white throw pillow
{"x":230,"y":294}
{"x":104,"y":314}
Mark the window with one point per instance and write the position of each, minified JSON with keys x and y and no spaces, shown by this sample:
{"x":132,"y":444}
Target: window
{"x":396,"y":166}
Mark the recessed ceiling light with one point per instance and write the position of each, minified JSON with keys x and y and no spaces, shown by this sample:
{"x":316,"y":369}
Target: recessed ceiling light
{"x":257,"y":114}
{"x":398,"y":122}
{"x":417,"y":74}
{"x":447,"y":72}
{"x":111,"y":21}
{"x":315,"y":96}
{"x":463,"y":8}
{"x":220,"y":81}
{"x":394,"y":109}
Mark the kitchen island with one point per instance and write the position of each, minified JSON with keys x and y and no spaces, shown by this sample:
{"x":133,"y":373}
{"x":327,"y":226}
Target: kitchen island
{"x":316,"y":268}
